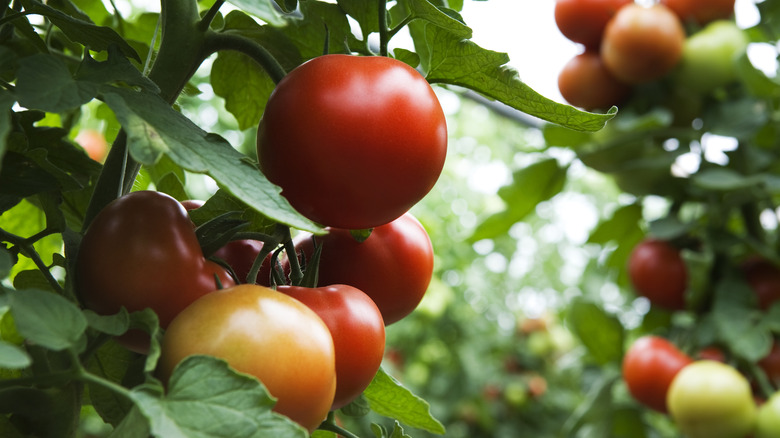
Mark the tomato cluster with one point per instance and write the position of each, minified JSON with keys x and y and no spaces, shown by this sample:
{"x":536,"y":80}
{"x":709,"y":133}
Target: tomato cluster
{"x":627,"y":44}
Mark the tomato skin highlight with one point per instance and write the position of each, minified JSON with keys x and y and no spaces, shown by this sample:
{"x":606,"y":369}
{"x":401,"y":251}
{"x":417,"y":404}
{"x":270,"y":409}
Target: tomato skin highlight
{"x":585,"y":82}
{"x":642,"y":44}
{"x":649,"y":366}
{"x":393,"y":266}
{"x":266,"y":334}
{"x":658,"y":272}
{"x":583,"y":21}
{"x":141,"y":252}
{"x":358,"y":334}
{"x":353,"y":142}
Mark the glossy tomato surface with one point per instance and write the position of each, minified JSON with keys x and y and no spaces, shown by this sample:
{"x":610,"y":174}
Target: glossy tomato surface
{"x":358,"y":334}
{"x":393,"y":266}
{"x":266,"y":334}
{"x":701,"y":11}
{"x":353,"y":141}
{"x":642,"y":44}
{"x":649,"y":366}
{"x":658,"y":272}
{"x":141,"y":252}
{"x":583,"y":21}
{"x":585,"y":82}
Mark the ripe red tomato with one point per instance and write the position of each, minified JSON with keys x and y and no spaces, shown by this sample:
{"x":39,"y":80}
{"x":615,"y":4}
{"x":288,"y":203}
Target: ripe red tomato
{"x":266,"y":334}
{"x":763,"y":277}
{"x":771,"y":364}
{"x":642,"y":44}
{"x":583,"y":21}
{"x":649,"y":366}
{"x":586,"y":83}
{"x":358,"y":334}
{"x":353,"y":141}
{"x":658,"y":272}
{"x":94,"y":144}
{"x":393,"y":266}
{"x":701,"y":11}
{"x":141,"y":252}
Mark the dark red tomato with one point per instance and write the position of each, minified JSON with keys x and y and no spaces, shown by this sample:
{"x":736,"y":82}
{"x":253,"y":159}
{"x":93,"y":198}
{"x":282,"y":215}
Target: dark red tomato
{"x":141,"y":252}
{"x":240,"y":254}
{"x":763,"y":277}
{"x":586,"y":83}
{"x":583,"y":21}
{"x":358,"y":334}
{"x":711,"y":353}
{"x":353,"y":141}
{"x":701,"y":11}
{"x":771,"y":364}
{"x":642,"y":44}
{"x":649,"y":366}
{"x":658,"y":272}
{"x":393,"y":266}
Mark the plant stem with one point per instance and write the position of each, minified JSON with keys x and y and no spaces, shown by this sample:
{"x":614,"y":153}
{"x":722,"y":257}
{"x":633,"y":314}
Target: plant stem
{"x":205,"y":22}
{"x":331,"y":426}
{"x":384,"y":35}
{"x":26,"y":248}
{"x":216,"y":42}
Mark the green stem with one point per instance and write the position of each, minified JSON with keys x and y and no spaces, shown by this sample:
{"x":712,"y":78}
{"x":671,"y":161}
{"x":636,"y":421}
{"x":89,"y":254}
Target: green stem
{"x":330,"y":425}
{"x":26,"y":247}
{"x":384,"y":35}
{"x":296,"y":274}
{"x":14,"y":16}
{"x":205,"y":22}
{"x":400,"y":26}
{"x":216,"y":42}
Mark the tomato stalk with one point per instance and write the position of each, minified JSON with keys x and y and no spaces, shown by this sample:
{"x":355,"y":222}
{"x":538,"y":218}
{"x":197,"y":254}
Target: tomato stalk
{"x":384,"y":35}
{"x":330,"y":425}
{"x":26,"y":247}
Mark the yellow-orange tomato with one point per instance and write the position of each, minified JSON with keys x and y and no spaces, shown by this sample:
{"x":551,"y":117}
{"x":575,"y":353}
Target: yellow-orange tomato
{"x":266,"y":334}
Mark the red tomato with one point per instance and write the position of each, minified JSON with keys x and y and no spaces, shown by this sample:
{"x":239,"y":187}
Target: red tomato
{"x":658,"y":272}
{"x":94,"y":144}
{"x":763,"y":277}
{"x":649,"y":366}
{"x":642,"y":44}
{"x":393,"y":266}
{"x":353,"y":141}
{"x":358,"y":334}
{"x":141,"y":252}
{"x":583,"y":21}
{"x":701,"y":11}
{"x":265,"y":334}
{"x":771,"y":365}
{"x":586,"y":83}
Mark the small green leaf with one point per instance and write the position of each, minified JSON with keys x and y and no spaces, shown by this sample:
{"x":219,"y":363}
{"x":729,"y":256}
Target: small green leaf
{"x":45,"y":83}
{"x":117,"y":364}
{"x":6,"y":262}
{"x":262,"y":9}
{"x":601,"y":333}
{"x":13,"y":357}
{"x":423,"y":9}
{"x":243,"y":84}
{"x":115,"y":69}
{"x":114,"y":325}
{"x":723,"y":180}
{"x":388,"y":397}
{"x":47,"y":319}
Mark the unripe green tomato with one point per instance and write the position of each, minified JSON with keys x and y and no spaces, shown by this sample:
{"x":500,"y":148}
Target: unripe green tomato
{"x":708,"y":60}
{"x":709,"y":399}
{"x":768,"y":423}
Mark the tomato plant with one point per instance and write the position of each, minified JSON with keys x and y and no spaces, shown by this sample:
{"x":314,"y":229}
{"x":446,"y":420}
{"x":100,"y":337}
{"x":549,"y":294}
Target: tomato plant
{"x":712,"y":399}
{"x":393,"y":266}
{"x":709,"y":58}
{"x":701,"y":11}
{"x":585,"y":82}
{"x":266,"y":334}
{"x":366,"y":136}
{"x":583,"y":21}
{"x":141,"y":252}
{"x":763,"y":277}
{"x":649,"y":366}
{"x":658,"y":272}
{"x":642,"y":44}
{"x":358,"y":334}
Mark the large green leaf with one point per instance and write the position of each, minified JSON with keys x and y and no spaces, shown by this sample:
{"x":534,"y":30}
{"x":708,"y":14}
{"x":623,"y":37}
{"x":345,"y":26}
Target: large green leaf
{"x":600,"y":332}
{"x":388,"y":397}
{"x":47,"y":319}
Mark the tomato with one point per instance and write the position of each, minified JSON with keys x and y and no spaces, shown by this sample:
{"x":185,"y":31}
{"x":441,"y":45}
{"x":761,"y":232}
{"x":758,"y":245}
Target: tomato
{"x":649,"y":366}
{"x":768,"y":420}
{"x":710,"y":399}
{"x":358,"y":334}
{"x":642,"y":44}
{"x":94,"y":144}
{"x":770,"y":364}
{"x":141,"y":252}
{"x":583,"y":21}
{"x":585,"y":82}
{"x":240,"y":254}
{"x":393,"y":266}
{"x":353,"y":141}
{"x":701,"y":11}
{"x":658,"y":272}
{"x":709,"y":57}
{"x":265,"y":334}
{"x":763,"y":277}
{"x":711,"y":353}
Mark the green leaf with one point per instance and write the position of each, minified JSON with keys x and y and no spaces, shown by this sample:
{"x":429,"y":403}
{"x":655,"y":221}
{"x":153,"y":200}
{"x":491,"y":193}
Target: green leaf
{"x":723,"y":180}
{"x":243,"y":84}
{"x":601,"y":333}
{"x":117,"y":364}
{"x":6,"y":262}
{"x":45,"y":83}
{"x":287,"y":5}
{"x":47,"y":319}
{"x":7,"y":101}
{"x":206,"y":399}
{"x":262,"y":9}
{"x":114,"y":325}
{"x":530,"y":186}
{"x":738,"y":322}
{"x":13,"y":357}
{"x":423,"y":9}
{"x":25,"y":219}
{"x":154,"y":128}
{"x":557,"y":135}
{"x":222,"y":203}
{"x":365,"y":13}
{"x":460,"y":62}
{"x":388,"y":397}
{"x":115,"y":69}
{"x":323,"y":22}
